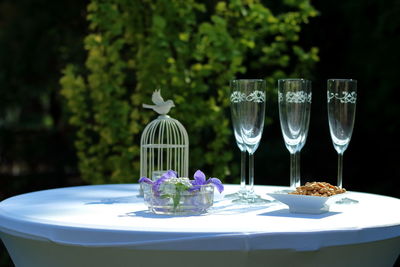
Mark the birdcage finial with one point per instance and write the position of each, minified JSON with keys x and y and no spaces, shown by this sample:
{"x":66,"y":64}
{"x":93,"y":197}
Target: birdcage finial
{"x":161,"y":107}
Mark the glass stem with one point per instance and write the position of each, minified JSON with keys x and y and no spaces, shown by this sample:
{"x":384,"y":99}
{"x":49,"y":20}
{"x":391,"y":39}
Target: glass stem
{"x":340,"y":170}
{"x":251,"y":173}
{"x":297,"y":181}
{"x":243,"y":171}
{"x":292,"y":171}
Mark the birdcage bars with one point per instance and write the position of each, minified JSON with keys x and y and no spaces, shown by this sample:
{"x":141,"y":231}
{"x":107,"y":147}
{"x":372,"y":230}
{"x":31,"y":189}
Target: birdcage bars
{"x":164,"y":146}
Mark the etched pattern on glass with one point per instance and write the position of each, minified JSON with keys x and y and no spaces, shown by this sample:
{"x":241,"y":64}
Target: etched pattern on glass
{"x":256,"y":96}
{"x":237,"y":97}
{"x":345,"y":98}
{"x":295,"y":97}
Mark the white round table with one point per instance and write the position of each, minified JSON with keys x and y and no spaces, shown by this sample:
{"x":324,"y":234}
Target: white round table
{"x":109,"y":225}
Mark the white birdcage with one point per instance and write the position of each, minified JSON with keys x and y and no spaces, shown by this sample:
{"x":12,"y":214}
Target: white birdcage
{"x":164,"y":143}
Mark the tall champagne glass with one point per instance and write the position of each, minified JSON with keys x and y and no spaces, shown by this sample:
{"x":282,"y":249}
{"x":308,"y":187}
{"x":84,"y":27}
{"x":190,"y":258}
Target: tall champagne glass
{"x":251,"y":122}
{"x":294,"y":98}
{"x":342,"y":97}
{"x":236,"y":99}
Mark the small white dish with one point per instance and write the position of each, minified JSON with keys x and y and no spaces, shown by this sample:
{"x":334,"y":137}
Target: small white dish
{"x":304,"y":203}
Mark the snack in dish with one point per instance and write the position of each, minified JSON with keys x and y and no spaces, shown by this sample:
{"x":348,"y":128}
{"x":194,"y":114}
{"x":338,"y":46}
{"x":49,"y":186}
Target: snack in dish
{"x":320,"y":189}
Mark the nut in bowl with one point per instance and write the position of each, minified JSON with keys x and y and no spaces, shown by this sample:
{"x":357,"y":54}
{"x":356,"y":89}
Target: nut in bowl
{"x":311,"y":198}
{"x":319,"y":189}
{"x":178,"y":195}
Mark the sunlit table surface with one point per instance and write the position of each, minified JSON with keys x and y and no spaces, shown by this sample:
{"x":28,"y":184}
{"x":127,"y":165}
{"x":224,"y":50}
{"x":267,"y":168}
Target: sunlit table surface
{"x":109,"y":225}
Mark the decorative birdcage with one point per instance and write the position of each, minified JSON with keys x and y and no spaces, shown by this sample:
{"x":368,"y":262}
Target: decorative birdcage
{"x":164,"y":143}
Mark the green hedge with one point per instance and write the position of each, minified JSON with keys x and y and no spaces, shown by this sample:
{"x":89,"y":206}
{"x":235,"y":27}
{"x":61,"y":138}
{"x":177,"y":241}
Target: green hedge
{"x":190,"y":49}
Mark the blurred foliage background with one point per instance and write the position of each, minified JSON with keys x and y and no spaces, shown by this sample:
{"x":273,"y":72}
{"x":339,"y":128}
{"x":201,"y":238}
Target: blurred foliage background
{"x":44,"y":41}
{"x":190,"y":49}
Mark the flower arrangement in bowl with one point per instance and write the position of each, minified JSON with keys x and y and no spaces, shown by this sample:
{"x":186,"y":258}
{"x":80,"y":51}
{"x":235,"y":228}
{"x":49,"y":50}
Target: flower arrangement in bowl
{"x":175,"y":195}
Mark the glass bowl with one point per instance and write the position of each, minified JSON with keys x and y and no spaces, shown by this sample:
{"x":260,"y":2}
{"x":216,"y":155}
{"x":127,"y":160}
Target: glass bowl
{"x":179,"y":202}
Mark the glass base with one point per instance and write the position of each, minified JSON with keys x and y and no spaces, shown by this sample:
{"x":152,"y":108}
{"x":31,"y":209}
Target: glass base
{"x":346,"y":201}
{"x":251,"y":198}
{"x":238,"y":195}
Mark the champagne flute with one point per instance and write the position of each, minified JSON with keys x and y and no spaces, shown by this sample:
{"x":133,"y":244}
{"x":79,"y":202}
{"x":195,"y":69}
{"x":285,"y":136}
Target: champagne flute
{"x":342,"y":97}
{"x":294,"y":97}
{"x":251,"y":122}
{"x":236,"y":97}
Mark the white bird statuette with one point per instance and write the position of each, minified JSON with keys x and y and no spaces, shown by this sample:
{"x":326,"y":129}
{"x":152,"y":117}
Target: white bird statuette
{"x":161,"y":107}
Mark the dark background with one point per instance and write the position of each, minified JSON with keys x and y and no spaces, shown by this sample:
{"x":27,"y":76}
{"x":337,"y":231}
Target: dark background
{"x":358,"y":39}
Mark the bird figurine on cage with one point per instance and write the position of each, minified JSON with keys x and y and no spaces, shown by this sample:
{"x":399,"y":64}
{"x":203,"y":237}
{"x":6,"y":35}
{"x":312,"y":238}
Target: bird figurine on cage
{"x":160,"y":106}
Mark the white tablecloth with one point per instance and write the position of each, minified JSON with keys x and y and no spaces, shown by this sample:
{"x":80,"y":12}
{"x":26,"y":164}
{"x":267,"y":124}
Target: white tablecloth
{"x":113,"y":216}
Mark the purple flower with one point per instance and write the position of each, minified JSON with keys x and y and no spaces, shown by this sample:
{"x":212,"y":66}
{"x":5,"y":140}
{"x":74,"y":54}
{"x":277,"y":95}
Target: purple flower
{"x":156,"y":185}
{"x":170,"y":174}
{"x":145,"y":180}
{"x":167,"y":175}
{"x":200,"y":179}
